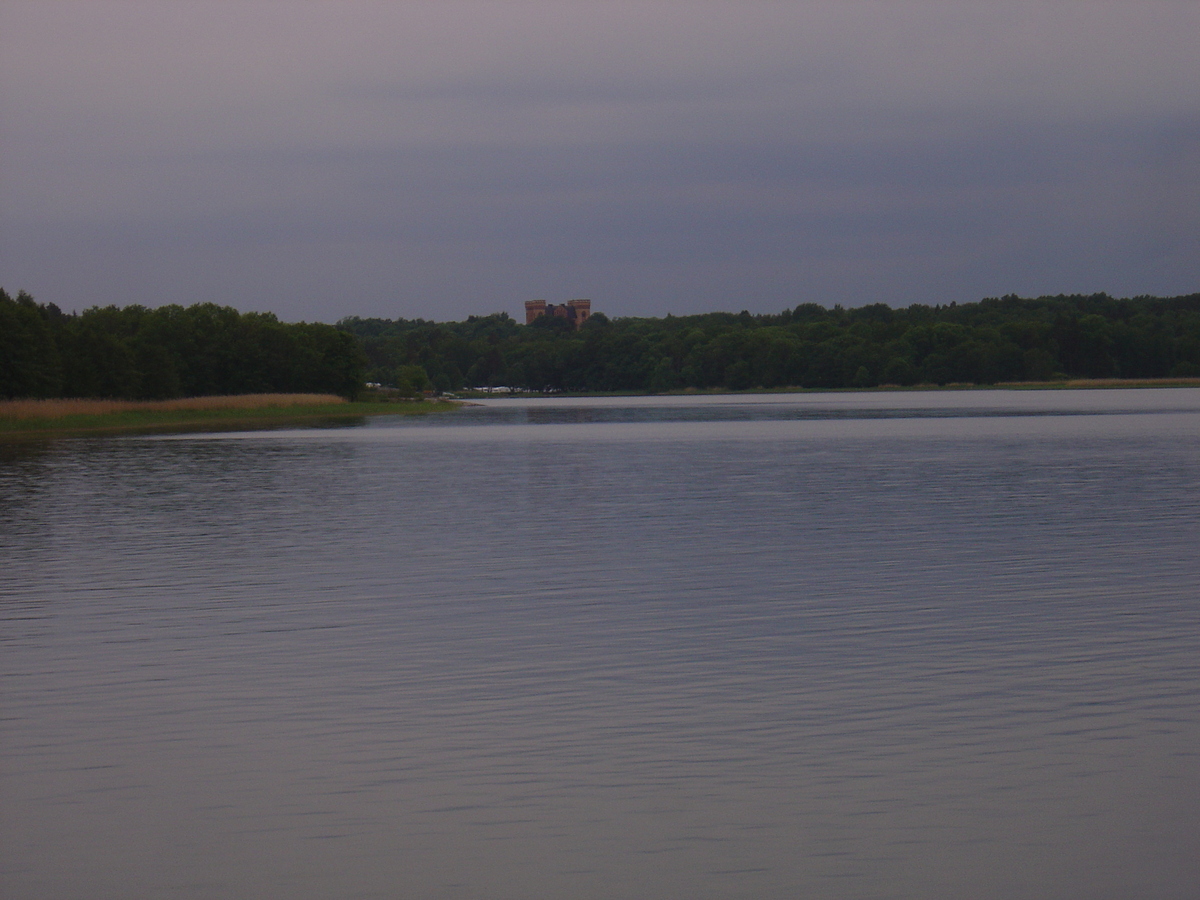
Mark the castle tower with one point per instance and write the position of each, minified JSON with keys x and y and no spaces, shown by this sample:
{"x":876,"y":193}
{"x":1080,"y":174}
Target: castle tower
{"x":533,"y":309}
{"x":581,"y":309}
{"x":574,"y":311}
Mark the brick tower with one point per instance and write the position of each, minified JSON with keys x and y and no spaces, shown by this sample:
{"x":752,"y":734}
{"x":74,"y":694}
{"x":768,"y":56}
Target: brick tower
{"x":580,"y":310}
{"x":574,"y":311}
{"x":533,"y":309}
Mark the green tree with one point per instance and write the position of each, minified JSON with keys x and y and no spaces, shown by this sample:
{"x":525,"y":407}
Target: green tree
{"x":30,"y":364}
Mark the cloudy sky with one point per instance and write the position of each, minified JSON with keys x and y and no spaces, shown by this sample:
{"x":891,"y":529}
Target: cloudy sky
{"x":439,"y":159}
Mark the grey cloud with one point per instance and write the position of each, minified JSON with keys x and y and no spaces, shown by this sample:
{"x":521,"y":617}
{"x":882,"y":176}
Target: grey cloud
{"x":442,"y":159}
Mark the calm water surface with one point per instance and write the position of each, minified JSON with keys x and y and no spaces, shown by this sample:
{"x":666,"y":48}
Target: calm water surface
{"x":830,"y":646}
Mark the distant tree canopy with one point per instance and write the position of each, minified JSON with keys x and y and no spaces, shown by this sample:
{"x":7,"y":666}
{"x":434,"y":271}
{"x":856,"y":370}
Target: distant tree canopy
{"x":172,"y":351}
{"x":996,"y":340}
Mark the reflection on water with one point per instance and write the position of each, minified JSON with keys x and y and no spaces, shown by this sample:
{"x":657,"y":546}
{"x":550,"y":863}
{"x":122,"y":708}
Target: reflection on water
{"x":847,"y":646}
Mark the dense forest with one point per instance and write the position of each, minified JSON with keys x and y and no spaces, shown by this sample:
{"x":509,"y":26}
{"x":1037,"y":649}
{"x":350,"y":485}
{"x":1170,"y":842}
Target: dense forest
{"x":172,"y":351}
{"x":996,"y":340}
{"x":207,"y":349}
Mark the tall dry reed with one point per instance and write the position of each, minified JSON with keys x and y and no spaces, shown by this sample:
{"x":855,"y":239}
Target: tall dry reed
{"x":56,"y":409}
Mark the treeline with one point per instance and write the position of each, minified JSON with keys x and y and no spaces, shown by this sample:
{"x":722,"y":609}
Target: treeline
{"x":172,"y":351}
{"x":996,"y":340}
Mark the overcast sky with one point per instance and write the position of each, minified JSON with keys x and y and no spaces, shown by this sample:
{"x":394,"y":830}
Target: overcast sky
{"x":440,"y":159}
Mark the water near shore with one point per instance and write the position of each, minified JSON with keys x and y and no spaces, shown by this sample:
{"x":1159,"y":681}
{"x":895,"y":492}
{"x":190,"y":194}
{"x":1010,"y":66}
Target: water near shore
{"x":838,"y":646}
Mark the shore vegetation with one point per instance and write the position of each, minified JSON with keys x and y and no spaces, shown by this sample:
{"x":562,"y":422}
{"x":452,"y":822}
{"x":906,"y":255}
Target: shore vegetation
{"x":1048,"y":340}
{"x":135,"y":353}
{"x":205,"y":350}
{"x":44,"y":417}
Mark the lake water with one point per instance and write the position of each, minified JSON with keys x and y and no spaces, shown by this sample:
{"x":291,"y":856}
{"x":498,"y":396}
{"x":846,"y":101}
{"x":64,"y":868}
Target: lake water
{"x":893,"y":645}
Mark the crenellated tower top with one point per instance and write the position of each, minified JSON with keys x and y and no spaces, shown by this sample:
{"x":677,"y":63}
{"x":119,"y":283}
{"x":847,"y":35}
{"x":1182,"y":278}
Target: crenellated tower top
{"x":574,"y":311}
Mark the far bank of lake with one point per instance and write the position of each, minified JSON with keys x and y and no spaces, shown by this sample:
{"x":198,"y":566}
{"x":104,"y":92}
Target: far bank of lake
{"x":1072,"y":384}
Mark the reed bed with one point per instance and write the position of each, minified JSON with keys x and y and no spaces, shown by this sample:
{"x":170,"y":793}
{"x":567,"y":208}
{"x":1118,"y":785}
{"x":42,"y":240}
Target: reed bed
{"x":1132,"y":382}
{"x":1101,"y":383}
{"x":58,"y":409}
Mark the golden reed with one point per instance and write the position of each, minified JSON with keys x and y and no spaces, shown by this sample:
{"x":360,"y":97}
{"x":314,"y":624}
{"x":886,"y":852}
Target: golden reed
{"x":57,"y":409}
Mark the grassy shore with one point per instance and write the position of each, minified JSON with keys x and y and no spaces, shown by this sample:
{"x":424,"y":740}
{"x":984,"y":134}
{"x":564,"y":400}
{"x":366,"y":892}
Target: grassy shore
{"x":1084,"y":383}
{"x":41,"y":418}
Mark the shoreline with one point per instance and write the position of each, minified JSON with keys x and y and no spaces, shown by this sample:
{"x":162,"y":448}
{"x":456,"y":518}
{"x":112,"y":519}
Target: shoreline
{"x":1074,"y":384}
{"x":38,"y":419}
